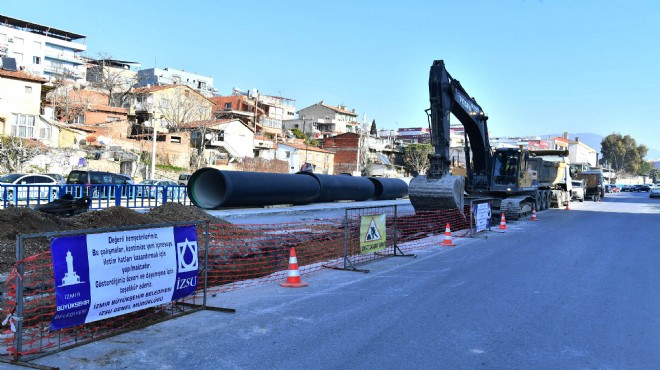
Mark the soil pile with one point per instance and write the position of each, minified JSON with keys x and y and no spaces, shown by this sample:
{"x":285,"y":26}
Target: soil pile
{"x":23,"y":220}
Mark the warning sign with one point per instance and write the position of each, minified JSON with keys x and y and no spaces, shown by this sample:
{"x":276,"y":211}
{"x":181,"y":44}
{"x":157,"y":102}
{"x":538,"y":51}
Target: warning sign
{"x":372,"y":233}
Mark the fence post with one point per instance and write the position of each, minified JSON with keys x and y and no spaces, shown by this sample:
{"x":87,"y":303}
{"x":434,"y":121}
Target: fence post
{"x":19,"y":296}
{"x":345,"y":236}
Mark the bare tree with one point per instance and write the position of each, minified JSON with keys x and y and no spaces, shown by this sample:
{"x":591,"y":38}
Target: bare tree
{"x":15,"y":151}
{"x":112,"y":79}
{"x":182,"y":105}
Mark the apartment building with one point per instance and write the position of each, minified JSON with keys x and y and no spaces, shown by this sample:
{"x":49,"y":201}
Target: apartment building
{"x":170,"y":76}
{"x":42,"y":50}
{"x":322,"y":121}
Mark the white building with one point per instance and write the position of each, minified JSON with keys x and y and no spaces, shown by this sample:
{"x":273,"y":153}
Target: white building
{"x":322,"y":121}
{"x":42,"y":50}
{"x":171,"y":76}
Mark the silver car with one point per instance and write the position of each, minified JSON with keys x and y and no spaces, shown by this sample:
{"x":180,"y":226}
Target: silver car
{"x":578,"y":190}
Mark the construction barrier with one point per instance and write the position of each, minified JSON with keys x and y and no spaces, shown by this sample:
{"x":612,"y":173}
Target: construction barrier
{"x":230,"y":257}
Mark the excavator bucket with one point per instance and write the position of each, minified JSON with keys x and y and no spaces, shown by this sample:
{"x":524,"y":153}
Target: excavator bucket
{"x":428,"y":194}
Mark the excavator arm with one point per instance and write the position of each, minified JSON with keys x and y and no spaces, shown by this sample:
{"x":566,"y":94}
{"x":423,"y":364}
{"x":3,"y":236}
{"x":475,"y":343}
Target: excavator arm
{"x":438,"y":189}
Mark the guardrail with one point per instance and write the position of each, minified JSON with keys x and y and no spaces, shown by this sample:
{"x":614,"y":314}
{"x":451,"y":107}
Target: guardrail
{"x":101,"y":195}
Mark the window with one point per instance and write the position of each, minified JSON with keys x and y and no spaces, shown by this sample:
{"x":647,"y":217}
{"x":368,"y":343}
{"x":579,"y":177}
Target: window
{"x":165,"y":103}
{"x":175,"y":139}
{"x":36,"y":45}
{"x":227,"y":105}
{"x":18,"y":41}
{"x":23,"y":125}
{"x":36,"y":60}
{"x":287,"y":154}
{"x":28,"y":89}
{"x":44,"y":132}
{"x":78,"y":118}
{"x":112,"y":119}
{"x":19,"y":57}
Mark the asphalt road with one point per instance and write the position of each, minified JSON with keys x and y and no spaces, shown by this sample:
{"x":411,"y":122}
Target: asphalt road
{"x":577,"y":289}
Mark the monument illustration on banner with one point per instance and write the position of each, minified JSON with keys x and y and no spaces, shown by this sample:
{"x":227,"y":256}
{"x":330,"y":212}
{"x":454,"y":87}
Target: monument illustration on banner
{"x":182,"y":248}
{"x":70,"y":277}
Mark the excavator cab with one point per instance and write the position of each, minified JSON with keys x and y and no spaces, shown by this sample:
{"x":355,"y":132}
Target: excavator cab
{"x":512,"y":171}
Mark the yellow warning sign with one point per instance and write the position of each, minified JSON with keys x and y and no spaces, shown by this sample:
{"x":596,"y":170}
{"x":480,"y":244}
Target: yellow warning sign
{"x":372,"y":233}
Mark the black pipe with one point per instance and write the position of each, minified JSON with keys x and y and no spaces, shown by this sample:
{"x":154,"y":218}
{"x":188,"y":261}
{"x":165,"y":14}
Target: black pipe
{"x":387,"y":188}
{"x":210,"y":188}
{"x":341,"y":187}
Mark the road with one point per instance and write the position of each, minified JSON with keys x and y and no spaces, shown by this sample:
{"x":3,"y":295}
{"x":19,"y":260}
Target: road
{"x":577,"y":289}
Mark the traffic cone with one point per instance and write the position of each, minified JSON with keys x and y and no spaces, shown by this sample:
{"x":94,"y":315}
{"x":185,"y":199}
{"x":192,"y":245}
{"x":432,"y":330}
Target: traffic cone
{"x":567,"y":206}
{"x":502,"y":222}
{"x":447,"y":242}
{"x":293,"y":279}
{"x":534,"y":214}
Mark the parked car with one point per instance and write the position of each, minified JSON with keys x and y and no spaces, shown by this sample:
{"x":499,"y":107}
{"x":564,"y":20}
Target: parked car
{"x":20,"y":186}
{"x":99,"y":183}
{"x":155,"y":188}
{"x":641,"y":187}
{"x":655,"y":192}
{"x":183,"y":179}
{"x":578,"y":190}
{"x":626,"y":188}
{"x":57,"y":177}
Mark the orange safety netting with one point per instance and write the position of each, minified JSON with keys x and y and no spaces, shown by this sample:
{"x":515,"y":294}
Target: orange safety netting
{"x":238,"y":255}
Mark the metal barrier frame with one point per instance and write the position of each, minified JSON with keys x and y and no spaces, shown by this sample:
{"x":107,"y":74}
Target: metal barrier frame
{"x":20,"y":239}
{"x":473,"y":225}
{"x":350,"y":214}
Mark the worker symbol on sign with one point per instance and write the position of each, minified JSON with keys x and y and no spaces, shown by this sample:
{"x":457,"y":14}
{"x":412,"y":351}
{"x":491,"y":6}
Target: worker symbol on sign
{"x":372,"y":234}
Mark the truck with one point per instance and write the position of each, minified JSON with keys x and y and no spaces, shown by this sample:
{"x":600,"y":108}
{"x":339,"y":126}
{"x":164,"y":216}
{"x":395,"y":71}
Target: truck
{"x":510,"y":176}
{"x":594,"y":184}
{"x":554,"y":174}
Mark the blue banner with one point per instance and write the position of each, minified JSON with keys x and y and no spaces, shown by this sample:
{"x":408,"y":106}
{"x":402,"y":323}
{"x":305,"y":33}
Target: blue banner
{"x":98,"y":276}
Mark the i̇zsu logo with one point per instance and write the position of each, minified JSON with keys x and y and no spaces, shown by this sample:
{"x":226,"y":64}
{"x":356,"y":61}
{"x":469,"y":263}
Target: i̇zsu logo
{"x":187,"y":256}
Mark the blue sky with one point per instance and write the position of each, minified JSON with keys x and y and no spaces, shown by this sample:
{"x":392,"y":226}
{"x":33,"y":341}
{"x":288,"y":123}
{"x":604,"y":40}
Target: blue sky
{"x":536,"y":67}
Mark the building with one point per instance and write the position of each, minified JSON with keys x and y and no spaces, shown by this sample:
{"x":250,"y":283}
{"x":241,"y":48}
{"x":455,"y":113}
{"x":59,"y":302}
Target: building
{"x":303,"y":157}
{"x":323,"y":121}
{"x":20,"y":105}
{"x":170,"y":76}
{"x":171,"y":105}
{"x":42,"y":50}
{"x":76,"y":105}
{"x":113,"y":77}
{"x":220,"y":141}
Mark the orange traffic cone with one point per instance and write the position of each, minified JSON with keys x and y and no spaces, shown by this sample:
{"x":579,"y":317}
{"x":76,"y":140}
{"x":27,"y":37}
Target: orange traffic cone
{"x":293,"y":279}
{"x":447,"y":242}
{"x":502,"y":222}
{"x":534,"y":214}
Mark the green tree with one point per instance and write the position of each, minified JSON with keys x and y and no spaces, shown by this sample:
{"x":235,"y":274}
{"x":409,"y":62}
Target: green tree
{"x":416,"y":157}
{"x":373,"y":130}
{"x":644,"y":168}
{"x":654,"y":174}
{"x":309,"y":140}
{"x":623,"y":153}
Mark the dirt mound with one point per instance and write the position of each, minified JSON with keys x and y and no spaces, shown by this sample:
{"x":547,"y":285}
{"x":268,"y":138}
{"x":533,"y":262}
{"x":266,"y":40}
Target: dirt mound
{"x":22,"y":220}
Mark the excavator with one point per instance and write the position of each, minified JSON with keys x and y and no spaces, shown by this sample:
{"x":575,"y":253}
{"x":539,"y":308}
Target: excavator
{"x":506,"y":174}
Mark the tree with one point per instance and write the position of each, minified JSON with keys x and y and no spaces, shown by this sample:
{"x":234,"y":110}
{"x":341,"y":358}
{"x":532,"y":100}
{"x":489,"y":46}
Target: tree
{"x":644,"y":168}
{"x":623,"y":153}
{"x":113,"y":80}
{"x":654,"y":174}
{"x":181,"y":104}
{"x":373,"y":130}
{"x":416,"y":157}
{"x":15,"y":151}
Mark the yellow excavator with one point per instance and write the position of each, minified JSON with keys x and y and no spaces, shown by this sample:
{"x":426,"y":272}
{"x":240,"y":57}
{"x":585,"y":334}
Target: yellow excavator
{"x":506,"y":174}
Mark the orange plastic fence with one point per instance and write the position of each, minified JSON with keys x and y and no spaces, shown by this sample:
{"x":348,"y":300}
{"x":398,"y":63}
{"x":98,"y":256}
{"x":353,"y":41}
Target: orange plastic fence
{"x":238,"y":255}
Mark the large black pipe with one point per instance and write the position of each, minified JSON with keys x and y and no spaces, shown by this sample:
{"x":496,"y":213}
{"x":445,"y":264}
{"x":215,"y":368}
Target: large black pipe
{"x":341,"y":187}
{"x":387,"y":188}
{"x":210,"y":188}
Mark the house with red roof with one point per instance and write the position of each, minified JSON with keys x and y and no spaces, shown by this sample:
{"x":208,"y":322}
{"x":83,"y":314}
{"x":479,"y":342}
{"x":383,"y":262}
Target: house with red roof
{"x":321,"y":120}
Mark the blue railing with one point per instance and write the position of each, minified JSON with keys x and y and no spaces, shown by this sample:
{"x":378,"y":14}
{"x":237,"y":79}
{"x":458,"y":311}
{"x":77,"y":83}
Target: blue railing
{"x":101,"y":195}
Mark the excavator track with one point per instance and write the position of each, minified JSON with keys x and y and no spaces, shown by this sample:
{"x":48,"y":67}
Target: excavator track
{"x":516,"y":207}
{"x":432,"y":194}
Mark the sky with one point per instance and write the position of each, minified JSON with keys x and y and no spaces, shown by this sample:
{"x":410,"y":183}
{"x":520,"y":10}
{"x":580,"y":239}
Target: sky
{"x":535,"y":67}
